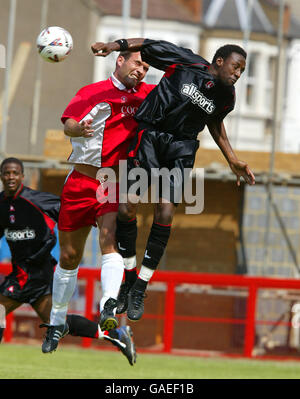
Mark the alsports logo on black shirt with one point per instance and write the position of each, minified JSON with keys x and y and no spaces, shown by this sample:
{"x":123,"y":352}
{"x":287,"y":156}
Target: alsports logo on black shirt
{"x":198,"y":98}
{"x":19,"y":235}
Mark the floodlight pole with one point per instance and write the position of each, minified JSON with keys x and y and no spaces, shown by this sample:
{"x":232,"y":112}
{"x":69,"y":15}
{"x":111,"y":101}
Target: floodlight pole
{"x":10,"y":43}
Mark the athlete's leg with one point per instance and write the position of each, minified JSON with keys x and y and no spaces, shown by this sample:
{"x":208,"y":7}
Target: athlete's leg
{"x":126,"y":236}
{"x":7,"y":305}
{"x":156,"y":244}
{"x":121,"y":337}
{"x":178,"y":156}
{"x":157,"y":241}
{"x":42,"y":306}
{"x":112,"y":269}
{"x":64,"y":282}
{"x":65,"y":277}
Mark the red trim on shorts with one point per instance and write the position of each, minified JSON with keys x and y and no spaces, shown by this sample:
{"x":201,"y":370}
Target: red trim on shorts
{"x":22,"y":277}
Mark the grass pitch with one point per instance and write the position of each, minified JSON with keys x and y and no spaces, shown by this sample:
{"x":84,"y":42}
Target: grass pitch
{"x":28,"y":362}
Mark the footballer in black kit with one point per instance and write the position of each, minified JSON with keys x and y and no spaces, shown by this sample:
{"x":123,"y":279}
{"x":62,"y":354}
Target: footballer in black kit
{"x":192,"y":94}
{"x":27,"y":220}
{"x":187,"y":96}
{"x":178,"y":108}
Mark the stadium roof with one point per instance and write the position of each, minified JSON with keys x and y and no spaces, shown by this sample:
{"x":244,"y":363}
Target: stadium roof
{"x":232,"y":14}
{"x":157,"y":9}
{"x":213,"y":14}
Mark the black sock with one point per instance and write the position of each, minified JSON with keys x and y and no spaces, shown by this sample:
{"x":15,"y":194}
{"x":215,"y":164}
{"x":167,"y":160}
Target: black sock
{"x":157,"y":242}
{"x":79,"y":326}
{"x":1,"y":333}
{"x":130,"y":276}
{"x":140,"y":284}
{"x":126,"y":235}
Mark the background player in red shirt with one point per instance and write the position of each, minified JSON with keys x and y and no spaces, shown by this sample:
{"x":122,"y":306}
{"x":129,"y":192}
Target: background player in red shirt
{"x":99,"y":120}
{"x":27,"y":220}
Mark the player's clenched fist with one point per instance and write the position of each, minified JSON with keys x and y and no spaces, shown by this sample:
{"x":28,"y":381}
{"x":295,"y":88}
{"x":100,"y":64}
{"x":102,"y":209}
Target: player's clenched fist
{"x":86,"y":128}
{"x":103,"y":49}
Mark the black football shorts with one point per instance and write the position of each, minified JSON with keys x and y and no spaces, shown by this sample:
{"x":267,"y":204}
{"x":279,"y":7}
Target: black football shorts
{"x":164,"y":159}
{"x":26,"y":283}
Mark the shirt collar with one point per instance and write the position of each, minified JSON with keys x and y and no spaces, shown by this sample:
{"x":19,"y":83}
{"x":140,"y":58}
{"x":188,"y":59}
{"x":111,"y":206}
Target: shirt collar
{"x":18,"y":192}
{"x":120,"y":85}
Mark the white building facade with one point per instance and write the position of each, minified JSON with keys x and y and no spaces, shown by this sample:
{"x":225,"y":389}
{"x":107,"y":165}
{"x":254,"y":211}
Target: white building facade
{"x":110,"y":29}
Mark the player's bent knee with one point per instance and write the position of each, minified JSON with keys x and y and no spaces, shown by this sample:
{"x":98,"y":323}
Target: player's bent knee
{"x":69,"y":259}
{"x":164,"y":214}
{"x":126,"y":212}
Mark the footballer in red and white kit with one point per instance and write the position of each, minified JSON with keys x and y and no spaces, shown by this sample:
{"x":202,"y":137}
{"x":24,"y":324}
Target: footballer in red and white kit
{"x":100,"y":123}
{"x":111,"y":106}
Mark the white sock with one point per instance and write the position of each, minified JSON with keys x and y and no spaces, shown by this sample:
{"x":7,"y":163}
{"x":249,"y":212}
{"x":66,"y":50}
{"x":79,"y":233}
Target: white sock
{"x":112,"y":269}
{"x":64,"y":283}
{"x":130,"y":263}
{"x":2,"y":316}
{"x":146,"y":273}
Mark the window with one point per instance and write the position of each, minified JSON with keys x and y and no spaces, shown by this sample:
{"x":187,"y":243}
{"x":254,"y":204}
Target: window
{"x":270,"y":83}
{"x":251,"y":78}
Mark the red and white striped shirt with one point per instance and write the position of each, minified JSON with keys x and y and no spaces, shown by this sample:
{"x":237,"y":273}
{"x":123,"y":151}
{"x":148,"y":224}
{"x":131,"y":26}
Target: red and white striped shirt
{"x":112,"y":107}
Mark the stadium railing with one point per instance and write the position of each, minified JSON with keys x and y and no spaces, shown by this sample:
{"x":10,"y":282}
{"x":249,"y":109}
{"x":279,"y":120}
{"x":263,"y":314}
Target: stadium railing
{"x":172,"y":280}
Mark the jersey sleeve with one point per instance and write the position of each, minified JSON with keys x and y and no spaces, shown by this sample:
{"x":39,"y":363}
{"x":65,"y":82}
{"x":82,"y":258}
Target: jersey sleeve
{"x":161,"y":54}
{"x":48,"y":204}
{"x":149,"y":88}
{"x":228,"y":107}
{"x":78,"y":107}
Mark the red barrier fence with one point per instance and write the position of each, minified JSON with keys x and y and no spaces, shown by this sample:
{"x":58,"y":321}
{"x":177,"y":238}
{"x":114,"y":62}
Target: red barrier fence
{"x":174,"y":279}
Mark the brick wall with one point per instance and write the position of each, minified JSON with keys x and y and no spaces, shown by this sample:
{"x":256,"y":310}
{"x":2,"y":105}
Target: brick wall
{"x":275,"y":258}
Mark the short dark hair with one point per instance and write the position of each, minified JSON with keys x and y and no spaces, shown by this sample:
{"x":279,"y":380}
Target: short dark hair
{"x":12,"y":160}
{"x":125,"y":54}
{"x":225,"y":51}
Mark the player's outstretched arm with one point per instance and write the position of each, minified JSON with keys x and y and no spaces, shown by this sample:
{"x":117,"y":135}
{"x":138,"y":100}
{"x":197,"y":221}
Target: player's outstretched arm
{"x":239,"y":168}
{"x":103,"y":49}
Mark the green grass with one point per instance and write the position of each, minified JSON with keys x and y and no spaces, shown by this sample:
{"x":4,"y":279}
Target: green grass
{"x":28,"y":362}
